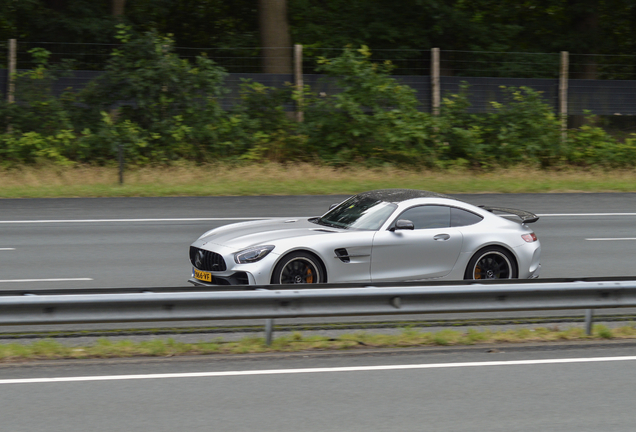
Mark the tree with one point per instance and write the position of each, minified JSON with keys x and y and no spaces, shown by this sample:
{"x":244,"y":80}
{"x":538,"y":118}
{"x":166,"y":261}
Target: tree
{"x":275,"y":37}
{"x":118,"y":7}
{"x":57,"y":21}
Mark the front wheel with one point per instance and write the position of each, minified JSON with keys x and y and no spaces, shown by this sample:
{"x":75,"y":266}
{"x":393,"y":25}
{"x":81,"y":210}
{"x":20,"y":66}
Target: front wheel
{"x":298,"y":268}
{"x":491,"y":263}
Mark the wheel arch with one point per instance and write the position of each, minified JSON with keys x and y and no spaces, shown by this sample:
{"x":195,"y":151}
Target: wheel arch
{"x":308,"y":251}
{"x":499,"y":246}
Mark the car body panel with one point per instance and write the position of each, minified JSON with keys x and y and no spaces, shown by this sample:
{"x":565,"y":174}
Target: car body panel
{"x":420,"y":254}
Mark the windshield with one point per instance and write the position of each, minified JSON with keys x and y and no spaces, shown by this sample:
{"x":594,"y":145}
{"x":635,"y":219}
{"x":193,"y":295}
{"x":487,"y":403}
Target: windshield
{"x":358,"y":213}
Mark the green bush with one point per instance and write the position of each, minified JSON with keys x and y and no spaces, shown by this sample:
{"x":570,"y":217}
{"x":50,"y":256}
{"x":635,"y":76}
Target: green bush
{"x":33,"y":147}
{"x":591,"y":145}
{"x":372,"y":118}
{"x":161,"y":108}
{"x":264,"y":130}
{"x":521,"y":129}
{"x":148,"y":85}
{"x":38,"y":109}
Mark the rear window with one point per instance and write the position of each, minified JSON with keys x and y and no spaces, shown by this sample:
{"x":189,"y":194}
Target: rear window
{"x":460,"y":217}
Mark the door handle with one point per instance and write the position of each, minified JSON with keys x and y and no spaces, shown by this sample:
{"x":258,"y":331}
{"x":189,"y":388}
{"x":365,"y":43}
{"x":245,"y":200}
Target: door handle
{"x":442,"y":237}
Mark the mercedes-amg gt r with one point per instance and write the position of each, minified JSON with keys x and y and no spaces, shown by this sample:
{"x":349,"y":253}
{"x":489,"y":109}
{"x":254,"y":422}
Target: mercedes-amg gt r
{"x":377,"y":236}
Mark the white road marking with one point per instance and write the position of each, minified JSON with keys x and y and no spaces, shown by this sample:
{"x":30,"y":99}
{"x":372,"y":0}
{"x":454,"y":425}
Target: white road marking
{"x":584,"y":214}
{"x":130,"y":220}
{"x":46,"y":280}
{"x":6,"y":249}
{"x":611,"y":239}
{"x":313,"y":370}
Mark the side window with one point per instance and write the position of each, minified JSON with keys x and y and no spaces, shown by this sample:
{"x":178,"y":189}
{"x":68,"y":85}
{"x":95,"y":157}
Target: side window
{"x":430,"y":216}
{"x":460,"y":217}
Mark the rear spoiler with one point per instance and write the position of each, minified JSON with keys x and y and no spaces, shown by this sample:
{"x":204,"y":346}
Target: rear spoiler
{"x":526,"y":217}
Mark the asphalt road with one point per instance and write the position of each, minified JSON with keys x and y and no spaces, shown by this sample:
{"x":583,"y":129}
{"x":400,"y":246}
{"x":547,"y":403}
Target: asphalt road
{"x":509,"y":389}
{"x":143,"y":242}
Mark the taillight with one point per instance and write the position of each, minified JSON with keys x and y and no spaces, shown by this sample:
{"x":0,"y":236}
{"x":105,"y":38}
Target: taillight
{"x":532,"y":237}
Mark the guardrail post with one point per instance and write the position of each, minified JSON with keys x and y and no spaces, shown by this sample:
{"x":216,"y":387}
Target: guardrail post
{"x":589,"y":321}
{"x":269,"y":330}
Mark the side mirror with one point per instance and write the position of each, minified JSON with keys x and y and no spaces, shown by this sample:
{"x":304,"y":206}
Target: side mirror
{"x":333,"y":205}
{"x":403,"y":224}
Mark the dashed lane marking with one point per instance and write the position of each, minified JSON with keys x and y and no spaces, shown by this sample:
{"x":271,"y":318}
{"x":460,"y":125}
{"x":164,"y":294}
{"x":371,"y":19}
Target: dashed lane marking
{"x":45,"y":280}
{"x":611,"y":239}
{"x":130,"y":220}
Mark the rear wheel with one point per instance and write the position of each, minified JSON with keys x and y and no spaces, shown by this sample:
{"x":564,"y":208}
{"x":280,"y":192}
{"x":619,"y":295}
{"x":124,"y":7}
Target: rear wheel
{"x":491,"y":262}
{"x":298,"y":268}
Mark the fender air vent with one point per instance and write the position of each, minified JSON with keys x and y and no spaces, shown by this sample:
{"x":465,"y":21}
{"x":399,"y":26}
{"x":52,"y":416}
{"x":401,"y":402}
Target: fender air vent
{"x":342,"y":255}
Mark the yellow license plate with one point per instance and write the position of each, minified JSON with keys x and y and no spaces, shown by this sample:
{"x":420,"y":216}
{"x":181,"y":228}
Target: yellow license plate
{"x":201,"y":275}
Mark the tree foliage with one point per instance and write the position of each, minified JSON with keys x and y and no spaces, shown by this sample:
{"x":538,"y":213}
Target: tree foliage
{"x":161,"y":109}
{"x":578,"y":26}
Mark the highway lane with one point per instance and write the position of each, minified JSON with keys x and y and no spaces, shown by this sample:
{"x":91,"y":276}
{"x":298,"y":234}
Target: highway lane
{"x":143,"y":242}
{"x":509,"y":389}
{"x":138,"y":242}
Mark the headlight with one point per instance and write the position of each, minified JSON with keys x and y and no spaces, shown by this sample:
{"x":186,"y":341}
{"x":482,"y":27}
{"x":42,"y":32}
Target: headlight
{"x":253,"y":254}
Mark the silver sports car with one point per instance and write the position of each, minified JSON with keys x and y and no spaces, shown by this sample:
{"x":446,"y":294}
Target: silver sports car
{"x":377,"y":236}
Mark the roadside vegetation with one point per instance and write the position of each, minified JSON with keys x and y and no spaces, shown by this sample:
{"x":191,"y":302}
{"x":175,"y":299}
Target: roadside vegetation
{"x":190,"y":179}
{"x":166,"y":112}
{"x":50,"y":349}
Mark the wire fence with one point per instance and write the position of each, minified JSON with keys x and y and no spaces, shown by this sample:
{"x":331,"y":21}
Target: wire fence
{"x":600,"y":84}
{"x":94,"y":56}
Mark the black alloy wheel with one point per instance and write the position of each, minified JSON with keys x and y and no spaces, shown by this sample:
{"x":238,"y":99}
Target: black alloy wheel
{"x":298,"y":268}
{"x":491,"y":263}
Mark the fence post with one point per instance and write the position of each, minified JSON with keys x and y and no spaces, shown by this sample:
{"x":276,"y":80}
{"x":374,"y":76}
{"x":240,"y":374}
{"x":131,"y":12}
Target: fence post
{"x":435,"y":89}
{"x":563,"y":96}
{"x":298,"y":79}
{"x":13,"y":54}
{"x":13,"y":48}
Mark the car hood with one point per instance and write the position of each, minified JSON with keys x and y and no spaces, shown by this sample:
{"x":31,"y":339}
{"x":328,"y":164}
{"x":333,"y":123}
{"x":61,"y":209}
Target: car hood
{"x":243,"y":235}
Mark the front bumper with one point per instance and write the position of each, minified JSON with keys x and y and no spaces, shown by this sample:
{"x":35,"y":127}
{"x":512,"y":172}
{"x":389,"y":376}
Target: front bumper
{"x":235,"y":278}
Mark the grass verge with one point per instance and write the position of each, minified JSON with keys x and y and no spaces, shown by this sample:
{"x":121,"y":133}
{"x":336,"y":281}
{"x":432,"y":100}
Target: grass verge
{"x":49,"y":349}
{"x":187,"y":179}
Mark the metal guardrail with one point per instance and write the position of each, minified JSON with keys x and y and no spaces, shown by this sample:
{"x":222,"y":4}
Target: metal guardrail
{"x":389,"y":299}
{"x":423,"y":284}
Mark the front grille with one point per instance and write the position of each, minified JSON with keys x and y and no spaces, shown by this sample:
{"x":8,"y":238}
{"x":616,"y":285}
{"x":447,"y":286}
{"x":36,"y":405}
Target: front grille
{"x":208,"y":261}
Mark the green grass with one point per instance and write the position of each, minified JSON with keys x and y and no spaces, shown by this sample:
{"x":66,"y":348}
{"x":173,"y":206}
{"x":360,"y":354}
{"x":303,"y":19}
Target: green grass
{"x":296,"y":179}
{"x":49,"y":349}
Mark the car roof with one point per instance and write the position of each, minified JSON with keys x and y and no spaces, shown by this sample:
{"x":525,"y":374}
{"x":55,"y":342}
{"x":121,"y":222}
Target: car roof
{"x":399,"y":195}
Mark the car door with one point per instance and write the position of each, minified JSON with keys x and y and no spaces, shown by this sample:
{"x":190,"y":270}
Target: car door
{"x":430,"y":250}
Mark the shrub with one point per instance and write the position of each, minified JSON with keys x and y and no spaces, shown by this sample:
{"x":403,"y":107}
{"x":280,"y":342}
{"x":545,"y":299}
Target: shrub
{"x":373,"y":117}
{"x":520,"y":129}
{"x":37,"y":109}
{"x":167,"y":97}
{"x":592,"y":146}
